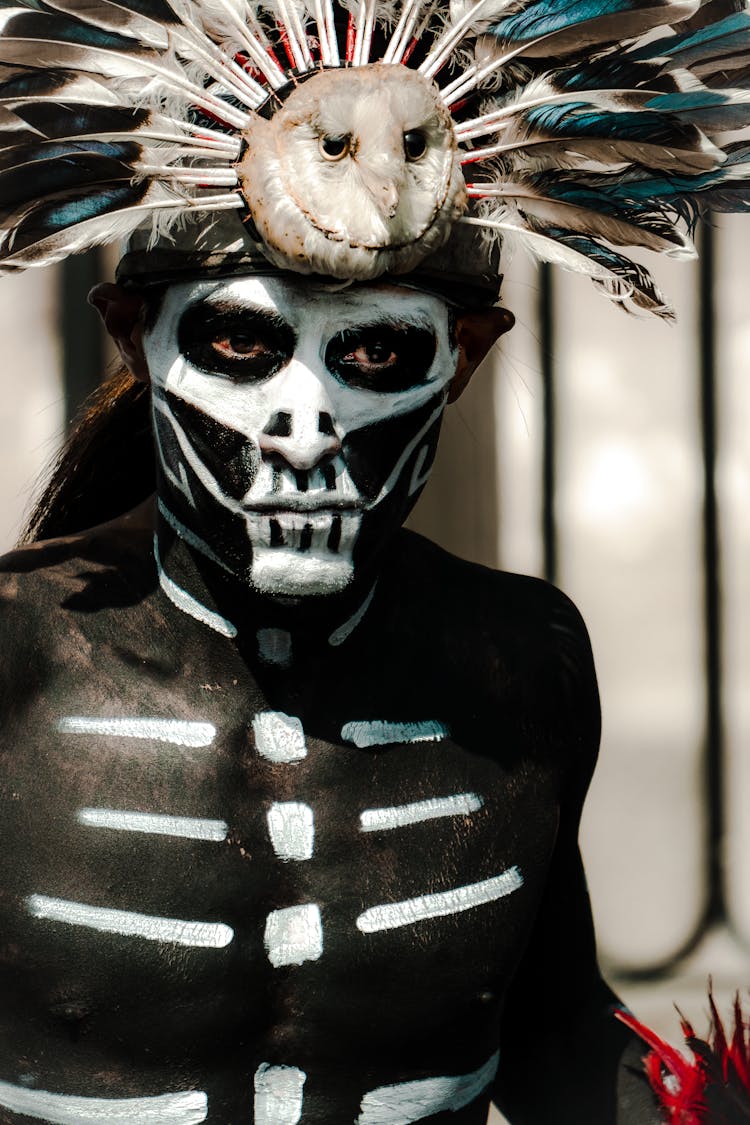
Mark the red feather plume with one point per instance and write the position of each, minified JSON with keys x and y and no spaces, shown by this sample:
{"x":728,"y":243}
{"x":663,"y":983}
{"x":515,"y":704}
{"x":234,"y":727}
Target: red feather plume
{"x":712,"y":1087}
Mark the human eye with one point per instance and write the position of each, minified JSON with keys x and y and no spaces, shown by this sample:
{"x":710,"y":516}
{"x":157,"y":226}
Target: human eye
{"x":382,"y":357}
{"x":240,"y":345}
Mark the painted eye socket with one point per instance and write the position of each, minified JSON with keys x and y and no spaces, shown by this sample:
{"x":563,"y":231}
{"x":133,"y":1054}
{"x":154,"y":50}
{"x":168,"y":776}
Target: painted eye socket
{"x":379,"y":353}
{"x":382,"y":357}
{"x":334,"y":148}
{"x":244,"y":346}
{"x":415,"y":144}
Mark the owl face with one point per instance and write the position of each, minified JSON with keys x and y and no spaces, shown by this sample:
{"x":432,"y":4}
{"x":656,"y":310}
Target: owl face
{"x":357,"y":174}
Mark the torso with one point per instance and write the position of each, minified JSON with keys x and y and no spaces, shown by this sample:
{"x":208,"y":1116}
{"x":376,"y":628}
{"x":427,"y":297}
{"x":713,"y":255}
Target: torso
{"x":290,"y":965}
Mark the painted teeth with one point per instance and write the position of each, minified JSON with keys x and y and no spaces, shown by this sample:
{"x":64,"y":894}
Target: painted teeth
{"x":259,"y":530}
{"x":350,"y":522}
{"x":305,"y":531}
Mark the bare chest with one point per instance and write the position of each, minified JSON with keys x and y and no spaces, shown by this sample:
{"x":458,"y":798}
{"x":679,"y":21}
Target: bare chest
{"x":200,"y":882}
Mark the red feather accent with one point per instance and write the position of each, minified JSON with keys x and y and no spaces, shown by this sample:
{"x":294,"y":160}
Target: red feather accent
{"x":712,"y":1088}
{"x":351,"y":35}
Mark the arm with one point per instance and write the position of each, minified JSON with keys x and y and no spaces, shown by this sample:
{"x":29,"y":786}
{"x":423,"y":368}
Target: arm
{"x":565,"y":1059}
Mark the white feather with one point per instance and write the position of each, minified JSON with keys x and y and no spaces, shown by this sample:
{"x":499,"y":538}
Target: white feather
{"x":475,"y":18}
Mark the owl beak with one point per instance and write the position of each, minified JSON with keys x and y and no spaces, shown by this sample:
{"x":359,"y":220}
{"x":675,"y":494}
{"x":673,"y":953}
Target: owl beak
{"x":384,"y":192}
{"x":389,"y":200}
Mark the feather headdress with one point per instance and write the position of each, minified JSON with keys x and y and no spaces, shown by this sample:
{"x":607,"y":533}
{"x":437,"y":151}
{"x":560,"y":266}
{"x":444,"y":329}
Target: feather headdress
{"x":356,"y":138}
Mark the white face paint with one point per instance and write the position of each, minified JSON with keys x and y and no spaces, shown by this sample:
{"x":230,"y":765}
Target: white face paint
{"x":295,"y":426}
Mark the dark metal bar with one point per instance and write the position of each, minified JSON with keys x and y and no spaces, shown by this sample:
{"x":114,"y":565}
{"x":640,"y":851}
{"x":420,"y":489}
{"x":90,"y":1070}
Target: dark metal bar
{"x":80,"y":330}
{"x":546,"y":313}
{"x":714,"y":750}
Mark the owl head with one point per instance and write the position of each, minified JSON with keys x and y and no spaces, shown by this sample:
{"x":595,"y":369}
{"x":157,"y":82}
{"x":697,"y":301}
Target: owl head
{"x":356,"y":174}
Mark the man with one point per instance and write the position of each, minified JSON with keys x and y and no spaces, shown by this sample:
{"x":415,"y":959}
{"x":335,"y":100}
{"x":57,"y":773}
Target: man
{"x":291,"y":809}
{"x":290,"y":797}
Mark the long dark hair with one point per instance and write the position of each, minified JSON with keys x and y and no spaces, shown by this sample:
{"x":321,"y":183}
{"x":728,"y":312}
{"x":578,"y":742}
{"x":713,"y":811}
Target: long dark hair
{"x":106,"y":466}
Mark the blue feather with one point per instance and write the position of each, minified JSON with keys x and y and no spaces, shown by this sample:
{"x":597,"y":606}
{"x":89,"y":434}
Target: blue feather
{"x":57,"y":216}
{"x":46,"y":26}
{"x":53,"y":177}
{"x":87,"y":206}
{"x":36,"y":83}
{"x":630,"y":280}
{"x":718,"y":39}
{"x":125,"y":151}
{"x":615,"y":70}
{"x":724,"y":189}
{"x":665,"y":189}
{"x":545,"y":18}
{"x":579,"y":119}
{"x":58,"y":121}
{"x":708,"y":109}
{"x":645,"y":211}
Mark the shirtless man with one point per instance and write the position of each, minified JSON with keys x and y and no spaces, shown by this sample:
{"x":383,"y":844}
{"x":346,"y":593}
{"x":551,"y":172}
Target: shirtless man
{"x":290,"y":797}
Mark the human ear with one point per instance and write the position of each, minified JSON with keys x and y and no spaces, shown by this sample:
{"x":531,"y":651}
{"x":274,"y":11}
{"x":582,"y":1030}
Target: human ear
{"x":476,"y":332}
{"x":123,"y":314}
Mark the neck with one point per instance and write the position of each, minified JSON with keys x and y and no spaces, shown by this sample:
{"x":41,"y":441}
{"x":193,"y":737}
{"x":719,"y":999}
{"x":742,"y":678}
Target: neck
{"x":199,"y":585}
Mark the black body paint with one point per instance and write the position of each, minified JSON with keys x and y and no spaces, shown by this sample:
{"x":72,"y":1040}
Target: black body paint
{"x":502,"y":660}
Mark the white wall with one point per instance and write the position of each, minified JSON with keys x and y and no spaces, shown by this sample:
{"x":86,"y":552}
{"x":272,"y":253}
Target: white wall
{"x":31,"y":408}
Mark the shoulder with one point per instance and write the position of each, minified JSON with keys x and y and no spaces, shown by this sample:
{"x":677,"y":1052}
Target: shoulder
{"x":515,"y":642}
{"x":519,"y":613}
{"x":47,"y":584}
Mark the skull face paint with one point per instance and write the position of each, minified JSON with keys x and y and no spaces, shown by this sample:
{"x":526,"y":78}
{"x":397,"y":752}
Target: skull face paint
{"x":296,"y":426}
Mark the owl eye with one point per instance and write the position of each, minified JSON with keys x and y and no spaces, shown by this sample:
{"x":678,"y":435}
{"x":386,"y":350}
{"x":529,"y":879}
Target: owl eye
{"x":415,"y":144}
{"x":334,"y":148}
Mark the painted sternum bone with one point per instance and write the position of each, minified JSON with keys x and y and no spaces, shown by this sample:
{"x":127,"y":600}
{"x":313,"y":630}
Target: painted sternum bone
{"x":357,"y":174}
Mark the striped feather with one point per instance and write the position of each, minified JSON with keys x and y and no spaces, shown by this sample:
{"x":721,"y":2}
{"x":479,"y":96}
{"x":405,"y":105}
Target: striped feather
{"x":639,"y":136}
{"x":554,"y":202}
{"x":57,"y":85}
{"x":114,"y":18}
{"x":720,"y":43}
{"x":77,"y":172}
{"x":50,"y":229}
{"x":570,"y":26}
{"x":617,"y":276}
{"x":710,"y":110}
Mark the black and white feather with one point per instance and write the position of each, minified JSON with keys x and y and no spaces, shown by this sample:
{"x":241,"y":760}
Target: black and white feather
{"x":354,"y":136}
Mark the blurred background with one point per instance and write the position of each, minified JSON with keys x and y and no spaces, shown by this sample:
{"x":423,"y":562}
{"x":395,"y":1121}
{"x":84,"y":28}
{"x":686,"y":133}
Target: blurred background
{"x":607,"y":453}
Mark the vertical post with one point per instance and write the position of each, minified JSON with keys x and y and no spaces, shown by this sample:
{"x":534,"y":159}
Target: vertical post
{"x":80,"y":331}
{"x":714,"y":772}
{"x":546,"y":317}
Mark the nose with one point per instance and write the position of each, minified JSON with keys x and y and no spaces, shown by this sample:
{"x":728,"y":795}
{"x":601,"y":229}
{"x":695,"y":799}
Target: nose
{"x":300,"y":439}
